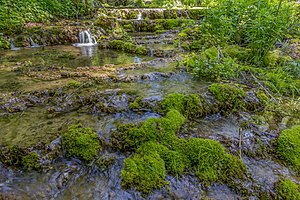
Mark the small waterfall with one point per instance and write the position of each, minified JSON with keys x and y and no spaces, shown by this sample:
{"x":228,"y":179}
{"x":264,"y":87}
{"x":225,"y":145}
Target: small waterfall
{"x":140,"y":16}
{"x":13,"y":47}
{"x":33,"y":44}
{"x":86,"y":39}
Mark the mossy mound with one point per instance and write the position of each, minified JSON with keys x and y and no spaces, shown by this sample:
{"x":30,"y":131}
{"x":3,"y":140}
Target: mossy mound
{"x":229,"y":96}
{"x":31,"y":161}
{"x":80,"y":142}
{"x":175,"y":162}
{"x":158,"y":151}
{"x":287,"y":189}
{"x":210,"y":161}
{"x":129,"y":137}
{"x":144,"y":172}
{"x":191,"y":106}
{"x":17,"y":157}
{"x":288,"y":146}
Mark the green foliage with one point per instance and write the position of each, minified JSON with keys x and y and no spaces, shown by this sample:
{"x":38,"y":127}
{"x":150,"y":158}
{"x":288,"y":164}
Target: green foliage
{"x":257,"y":24}
{"x":144,"y":172}
{"x":4,"y":44}
{"x":15,"y":13}
{"x":214,"y":69}
{"x":80,"y":142}
{"x":229,"y":96}
{"x":287,"y":190}
{"x":279,"y":81}
{"x":31,"y":161}
{"x":191,"y":106}
{"x":288,"y":146}
{"x":128,"y":27}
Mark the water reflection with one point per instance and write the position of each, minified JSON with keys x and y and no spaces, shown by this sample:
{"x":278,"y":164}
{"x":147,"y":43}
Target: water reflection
{"x":69,"y":56}
{"x":88,"y":51}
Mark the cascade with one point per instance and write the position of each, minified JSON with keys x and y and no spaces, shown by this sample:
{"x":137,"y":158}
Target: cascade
{"x":140,"y":17}
{"x":86,"y":39}
{"x":33,"y":44}
{"x":13,"y":47}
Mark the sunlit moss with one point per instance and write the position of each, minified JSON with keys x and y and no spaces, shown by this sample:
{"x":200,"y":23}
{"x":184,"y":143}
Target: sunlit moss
{"x":229,"y":96}
{"x":81,"y":142}
{"x":287,"y":190}
{"x":288,"y":146}
{"x":144,"y":172}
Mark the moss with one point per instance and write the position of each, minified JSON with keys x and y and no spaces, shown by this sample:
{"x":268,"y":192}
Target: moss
{"x":129,"y":137}
{"x":235,"y":51}
{"x":105,"y":161}
{"x":288,"y":146}
{"x":80,"y":142}
{"x":121,"y":45}
{"x":128,"y":27}
{"x":73,"y":84}
{"x":175,"y":162}
{"x":144,"y":172}
{"x":137,"y":104}
{"x":191,"y":106}
{"x":210,"y":161}
{"x":211,"y":53}
{"x":12,"y":156}
{"x":31,"y":161}
{"x":229,"y":96}
{"x":263,"y":98}
{"x":141,"y":50}
{"x":17,"y":157}
{"x":287,"y":190}
{"x":272,"y":58}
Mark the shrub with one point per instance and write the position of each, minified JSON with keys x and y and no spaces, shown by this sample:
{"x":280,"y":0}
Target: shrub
{"x":288,"y":146}
{"x":80,"y":142}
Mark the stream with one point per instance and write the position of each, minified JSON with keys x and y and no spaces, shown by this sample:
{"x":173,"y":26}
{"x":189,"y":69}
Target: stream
{"x":38,"y":102}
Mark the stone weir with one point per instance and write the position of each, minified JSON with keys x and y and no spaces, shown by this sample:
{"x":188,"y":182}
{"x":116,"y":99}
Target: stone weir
{"x":153,"y":13}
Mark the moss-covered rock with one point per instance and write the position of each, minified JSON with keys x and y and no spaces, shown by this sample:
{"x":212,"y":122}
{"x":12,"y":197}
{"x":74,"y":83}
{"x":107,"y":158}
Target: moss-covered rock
{"x":12,"y":156}
{"x":229,"y":96}
{"x":17,"y":157}
{"x":287,"y":190}
{"x":144,"y":172}
{"x":31,"y":161}
{"x":191,"y":106}
{"x":129,"y":137}
{"x":141,"y":50}
{"x":81,"y":142}
{"x":210,"y":161}
{"x":288,"y":146}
